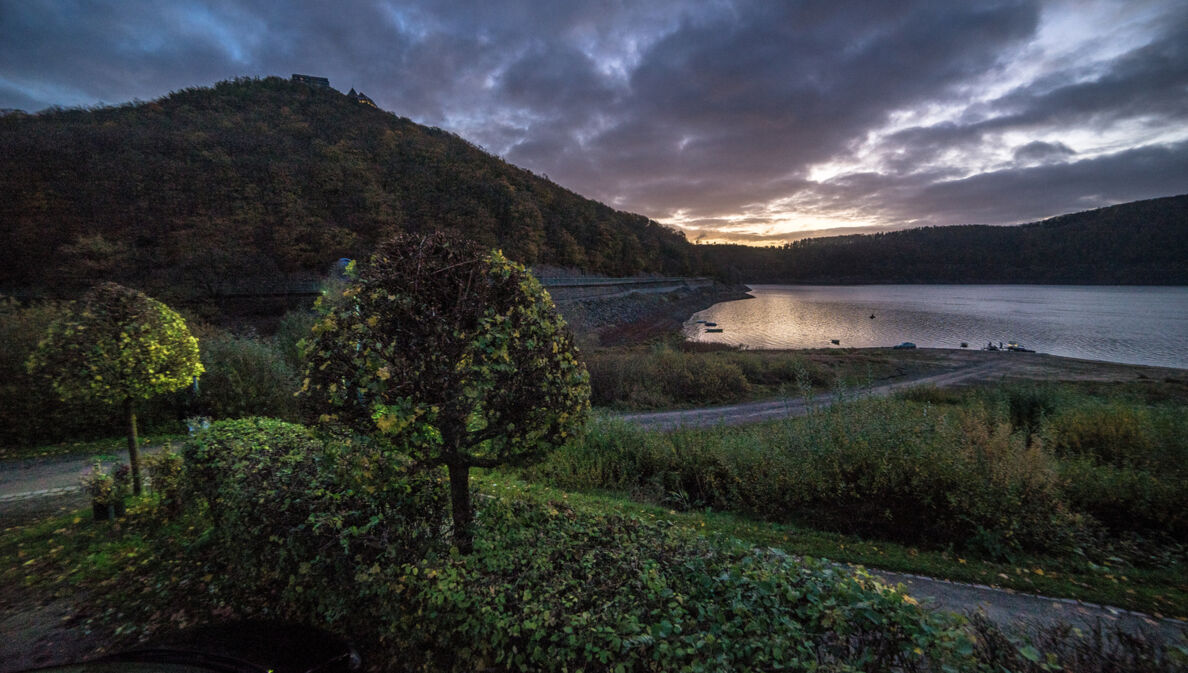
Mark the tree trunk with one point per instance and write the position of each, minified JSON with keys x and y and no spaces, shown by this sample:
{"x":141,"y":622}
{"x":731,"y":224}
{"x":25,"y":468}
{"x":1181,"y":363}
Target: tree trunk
{"x":463,"y":517}
{"x":133,"y":445}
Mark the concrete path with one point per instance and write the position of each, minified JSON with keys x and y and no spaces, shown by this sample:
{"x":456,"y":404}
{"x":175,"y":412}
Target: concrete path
{"x":31,"y":478}
{"x":1006,"y":607}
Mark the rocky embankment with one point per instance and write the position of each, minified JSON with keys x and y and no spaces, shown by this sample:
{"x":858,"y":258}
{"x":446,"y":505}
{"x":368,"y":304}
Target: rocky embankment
{"x":639,"y":316}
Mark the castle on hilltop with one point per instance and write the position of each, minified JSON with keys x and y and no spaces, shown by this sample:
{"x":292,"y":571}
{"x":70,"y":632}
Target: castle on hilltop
{"x":319,"y":82}
{"x":324,"y":83}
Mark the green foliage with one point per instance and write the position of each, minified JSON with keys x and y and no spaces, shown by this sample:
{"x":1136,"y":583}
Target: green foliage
{"x":964,"y":473}
{"x":552,"y":587}
{"x":455,"y":355}
{"x":891,"y":469}
{"x":106,"y":486}
{"x":246,"y":376}
{"x":117,"y":344}
{"x":165,"y":470}
{"x":293,"y":329}
{"x":436,"y":337}
{"x":665,"y":377}
{"x":302,"y":524}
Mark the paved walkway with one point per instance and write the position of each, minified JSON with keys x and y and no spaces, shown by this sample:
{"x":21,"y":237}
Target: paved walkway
{"x":29,"y":478}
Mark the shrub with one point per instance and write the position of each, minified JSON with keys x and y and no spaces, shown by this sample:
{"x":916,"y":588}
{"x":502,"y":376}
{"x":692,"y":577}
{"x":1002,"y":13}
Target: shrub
{"x":1113,"y":433}
{"x":294,"y":327}
{"x":246,"y":377}
{"x":454,"y":354}
{"x":302,"y":524}
{"x":550,"y":587}
{"x":1125,"y":499}
{"x":165,"y":470}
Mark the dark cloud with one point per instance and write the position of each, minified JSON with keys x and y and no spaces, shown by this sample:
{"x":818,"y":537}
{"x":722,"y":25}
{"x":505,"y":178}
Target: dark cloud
{"x":717,"y":114}
{"x":1039,"y":150}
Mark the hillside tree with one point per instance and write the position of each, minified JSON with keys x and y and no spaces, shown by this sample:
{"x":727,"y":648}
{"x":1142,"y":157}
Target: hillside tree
{"x":451,"y":353}
{"x":116,"y":345}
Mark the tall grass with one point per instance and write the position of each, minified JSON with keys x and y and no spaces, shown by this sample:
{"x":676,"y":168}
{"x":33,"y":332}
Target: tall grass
{"x":666,"y":376}
{"x":997,"y":471}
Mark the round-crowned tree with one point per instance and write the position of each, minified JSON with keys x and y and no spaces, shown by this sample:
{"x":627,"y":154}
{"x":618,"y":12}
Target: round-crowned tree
{"x":451,"y":353}
{"x":117,"y":345}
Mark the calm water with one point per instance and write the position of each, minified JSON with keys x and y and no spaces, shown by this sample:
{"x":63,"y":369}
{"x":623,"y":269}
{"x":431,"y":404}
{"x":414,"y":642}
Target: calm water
{"x":1137,"y":325}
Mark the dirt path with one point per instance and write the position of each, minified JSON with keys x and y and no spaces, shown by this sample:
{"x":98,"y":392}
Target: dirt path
{"x":959,"y":367}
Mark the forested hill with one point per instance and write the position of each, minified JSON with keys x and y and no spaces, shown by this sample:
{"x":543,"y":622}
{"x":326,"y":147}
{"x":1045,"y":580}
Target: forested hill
{"x":1139,"y":243}
{"x":214,"y":188}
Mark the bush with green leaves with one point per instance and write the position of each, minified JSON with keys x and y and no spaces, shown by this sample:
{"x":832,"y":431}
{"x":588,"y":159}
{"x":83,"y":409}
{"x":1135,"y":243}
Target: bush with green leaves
{"x":552,"y":587}
{"x":302,"y":522}
{"x":451,"y":353}
{"x":245,"y":377}
{"x":165,"y":471}
{"x":118,"y":346}
{"x":548,"y":586}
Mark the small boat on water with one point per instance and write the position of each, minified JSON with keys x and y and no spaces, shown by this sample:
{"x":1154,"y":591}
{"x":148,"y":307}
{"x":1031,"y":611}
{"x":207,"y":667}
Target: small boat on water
{"x":713,"y":329}
{"x":711,"y":324}
{"x":835,"y":342}
{"x":1018,"y":348}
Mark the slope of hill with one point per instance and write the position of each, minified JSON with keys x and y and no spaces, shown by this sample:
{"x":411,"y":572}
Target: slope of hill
{"x":257,"y":181}
{"x":1139,"y":243}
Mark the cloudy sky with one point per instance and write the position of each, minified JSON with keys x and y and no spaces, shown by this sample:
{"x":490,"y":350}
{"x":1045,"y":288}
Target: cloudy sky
{"x":751,"y":121}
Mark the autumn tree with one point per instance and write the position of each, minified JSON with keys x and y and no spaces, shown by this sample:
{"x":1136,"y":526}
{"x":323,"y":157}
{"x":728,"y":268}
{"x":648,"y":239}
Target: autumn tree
{"x":117,"y":345}
{"x":451,"y":353}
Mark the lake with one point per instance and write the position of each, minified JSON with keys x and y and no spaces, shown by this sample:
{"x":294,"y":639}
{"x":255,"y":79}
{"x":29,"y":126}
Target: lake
{"x":1134,"y":325}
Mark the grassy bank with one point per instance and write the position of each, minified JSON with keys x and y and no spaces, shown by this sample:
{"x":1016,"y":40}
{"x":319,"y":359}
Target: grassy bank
{"x":1030,"y":482}
{"x":671,"y":374}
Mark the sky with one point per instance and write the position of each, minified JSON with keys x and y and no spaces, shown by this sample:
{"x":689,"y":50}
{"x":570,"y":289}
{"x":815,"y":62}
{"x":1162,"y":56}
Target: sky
{"x":745,"y":121}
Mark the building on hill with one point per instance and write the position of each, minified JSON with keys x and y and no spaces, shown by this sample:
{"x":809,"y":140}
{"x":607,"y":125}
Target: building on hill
{"x":320,"y":82}
{"x":361,"y":97}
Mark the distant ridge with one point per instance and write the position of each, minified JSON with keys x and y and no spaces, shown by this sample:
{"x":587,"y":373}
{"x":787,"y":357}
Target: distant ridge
{"x":1138,"y":243}
{"x":261,"y":180}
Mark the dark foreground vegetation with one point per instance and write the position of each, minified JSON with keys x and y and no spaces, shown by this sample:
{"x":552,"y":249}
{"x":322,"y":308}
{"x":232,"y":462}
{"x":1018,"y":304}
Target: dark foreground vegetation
{"x":353,"y":543}
{"x":1031,"y":475}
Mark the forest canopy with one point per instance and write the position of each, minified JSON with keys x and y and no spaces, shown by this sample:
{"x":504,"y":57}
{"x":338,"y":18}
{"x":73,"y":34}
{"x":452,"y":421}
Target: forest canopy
{"x":257,"y":182}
